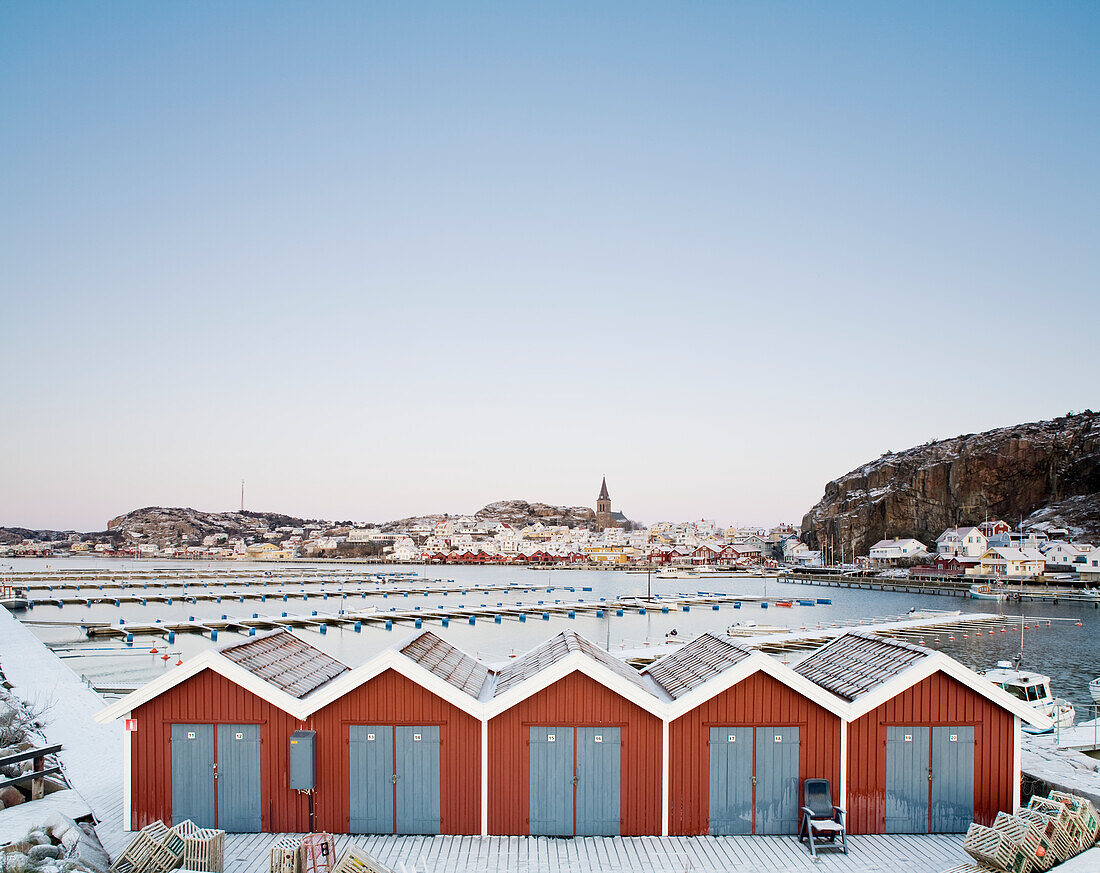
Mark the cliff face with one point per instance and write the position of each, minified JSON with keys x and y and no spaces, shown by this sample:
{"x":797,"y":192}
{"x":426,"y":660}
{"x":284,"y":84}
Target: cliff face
{"x":1049,"y":468}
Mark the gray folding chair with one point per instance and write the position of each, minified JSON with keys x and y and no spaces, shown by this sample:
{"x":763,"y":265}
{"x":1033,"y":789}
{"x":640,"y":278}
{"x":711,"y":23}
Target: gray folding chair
{"x":822,"y":822}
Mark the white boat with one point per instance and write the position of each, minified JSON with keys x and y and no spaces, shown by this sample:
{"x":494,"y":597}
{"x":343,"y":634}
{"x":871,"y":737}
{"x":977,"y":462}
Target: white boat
{"x":917,"y":612}
{"x":1034,"y":689}
{"x":677,"y":573}
{"x":987,"y":592}
{"x":1094,"y":689}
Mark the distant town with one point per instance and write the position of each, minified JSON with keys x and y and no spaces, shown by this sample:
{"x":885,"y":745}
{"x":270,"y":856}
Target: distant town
{"x":603,"y":538}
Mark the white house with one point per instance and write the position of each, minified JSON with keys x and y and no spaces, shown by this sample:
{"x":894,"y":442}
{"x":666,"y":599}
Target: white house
{"x":1013,"y":562}
{"x":1064,"y":554}
{"x":964,"y":542}
{"x":892,"y":551}
{"x":1090,"y":569}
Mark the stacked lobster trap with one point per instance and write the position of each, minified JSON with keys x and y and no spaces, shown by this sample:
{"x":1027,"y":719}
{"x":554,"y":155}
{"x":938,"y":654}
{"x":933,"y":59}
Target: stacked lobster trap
{"x":1046,"y":832}
{"x":316,"y":853}
{"x":158,"y":848}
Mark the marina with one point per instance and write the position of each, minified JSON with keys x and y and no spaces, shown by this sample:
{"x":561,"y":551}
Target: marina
{"x":789,"y":641}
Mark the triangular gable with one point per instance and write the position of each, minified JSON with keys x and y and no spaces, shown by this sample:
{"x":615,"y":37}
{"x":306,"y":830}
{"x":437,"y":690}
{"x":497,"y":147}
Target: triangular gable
{"x":578,"y":662}
{"x":392,"y":659}
{"x":758,"y":662}
{"x":939,"y":662}
{"x":208,"y":660}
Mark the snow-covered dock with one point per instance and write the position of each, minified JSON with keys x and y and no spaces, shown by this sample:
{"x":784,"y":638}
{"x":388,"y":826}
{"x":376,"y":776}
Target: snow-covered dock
{"x":91,"y":753}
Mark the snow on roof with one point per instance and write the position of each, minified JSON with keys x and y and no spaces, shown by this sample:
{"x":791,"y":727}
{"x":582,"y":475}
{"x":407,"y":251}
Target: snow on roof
{"x":854,"y":663}
{"x":696,"y":663}
{"x":290,"y":664}
{"x":1010,"y":554}
{"x":447,"y":662}
{"x":554,"y":650}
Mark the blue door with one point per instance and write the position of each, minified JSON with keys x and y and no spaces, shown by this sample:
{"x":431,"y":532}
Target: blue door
{"x":239,"y":778}
{"x":776,"y":804}
{"x":907,"y":773}
{"x":731,"y":762}
{"x":552,"y":781}
{"x":598,"y":781}
{"x":193,"y":774}
{"x":417,"y":783}
{"x":952,"y":779}
{"x":371,"y":776}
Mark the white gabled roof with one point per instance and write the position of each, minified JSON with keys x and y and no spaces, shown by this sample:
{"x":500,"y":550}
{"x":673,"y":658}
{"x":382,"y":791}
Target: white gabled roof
{"x":757,"y":662}
{"x":211,"y":659}
{"x":939,"y":662}
{"x":569,"y":653}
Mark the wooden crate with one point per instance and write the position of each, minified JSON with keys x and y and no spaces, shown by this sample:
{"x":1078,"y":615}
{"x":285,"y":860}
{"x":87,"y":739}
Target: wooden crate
{"x":1056,"y":835}
{"x":1066,"y":818}
{"x":139,"y":855}
{"x":318,"y":853}
{"x":994,"y":849}
{"x":168,"y":854}
{"x":284,"y":856}
{"x":1030,"y":839}
{"x":1084,"y":810}
{"x":204,"y":851}
{"x":355,"y":860}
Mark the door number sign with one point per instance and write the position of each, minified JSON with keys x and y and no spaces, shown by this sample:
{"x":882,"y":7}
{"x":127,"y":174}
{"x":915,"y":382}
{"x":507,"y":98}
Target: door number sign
{"x":551,"y":738}
{"x":954,"y":738}
{"x":599,"y":738}
{"x":908,"y":738}
{"x":416,"y":738}
{"x":370,"y":738}
{"x":238,"y":736}
{"x":190,"y":735}
{"x":732,"y":738}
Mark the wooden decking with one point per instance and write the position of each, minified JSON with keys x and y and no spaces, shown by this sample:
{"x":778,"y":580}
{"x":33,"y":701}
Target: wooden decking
{"x":245,"y":853}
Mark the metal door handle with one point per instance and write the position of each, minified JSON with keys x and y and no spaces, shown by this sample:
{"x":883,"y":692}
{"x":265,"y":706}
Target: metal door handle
{"x":575,"y":780}
{"x":753,"y":780}
{"x":394,"y":777}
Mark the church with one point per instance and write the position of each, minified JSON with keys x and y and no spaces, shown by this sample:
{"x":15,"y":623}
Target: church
{"x":605,"y":518}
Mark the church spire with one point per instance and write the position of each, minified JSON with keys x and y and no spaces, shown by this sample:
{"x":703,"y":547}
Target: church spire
{"x":603,"y":491}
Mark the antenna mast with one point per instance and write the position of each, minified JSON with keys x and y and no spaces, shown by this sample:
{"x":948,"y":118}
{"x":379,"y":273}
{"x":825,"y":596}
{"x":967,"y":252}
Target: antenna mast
{"x":242,"y":495}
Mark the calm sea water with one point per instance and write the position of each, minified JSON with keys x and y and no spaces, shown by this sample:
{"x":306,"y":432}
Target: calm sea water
{"x":1069,"y":653}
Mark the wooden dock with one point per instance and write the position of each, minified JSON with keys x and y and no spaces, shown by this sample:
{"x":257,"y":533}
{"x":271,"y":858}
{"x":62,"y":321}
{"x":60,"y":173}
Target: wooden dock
{"x":217,"y":594}
{"x":246,"y":853}
{"x":946,"y":587}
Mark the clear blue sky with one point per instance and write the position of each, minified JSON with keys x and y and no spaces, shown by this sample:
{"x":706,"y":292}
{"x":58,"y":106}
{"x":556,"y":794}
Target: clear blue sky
{"x":382,"y":259}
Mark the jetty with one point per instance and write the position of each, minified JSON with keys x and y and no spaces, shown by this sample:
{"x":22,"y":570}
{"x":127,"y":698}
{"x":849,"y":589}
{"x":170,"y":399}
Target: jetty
{"x":320,"y":621}
{"x":947,"y":586}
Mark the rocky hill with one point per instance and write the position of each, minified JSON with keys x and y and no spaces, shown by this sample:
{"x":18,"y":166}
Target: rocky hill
{"x":182,"y":526}
{"x":1045,"y":473}
{"x":519,"y":513}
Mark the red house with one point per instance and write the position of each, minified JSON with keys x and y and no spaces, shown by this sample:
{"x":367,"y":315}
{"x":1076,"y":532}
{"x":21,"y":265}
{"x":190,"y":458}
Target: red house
{"x":745,"y":731}
{"x":931,"y":745}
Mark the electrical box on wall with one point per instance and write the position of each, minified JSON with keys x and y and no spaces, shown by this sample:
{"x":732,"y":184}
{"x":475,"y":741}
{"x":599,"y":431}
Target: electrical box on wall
{"x":303,"y":773}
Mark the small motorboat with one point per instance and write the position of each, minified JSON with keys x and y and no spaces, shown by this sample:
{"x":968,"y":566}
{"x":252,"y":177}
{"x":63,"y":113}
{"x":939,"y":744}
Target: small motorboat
{"x":987,"y":592}
{"x":677,"y":573}
{"x":918,"y":612}
{"x":1094,"y":689}
{"x":1034,"y":689}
